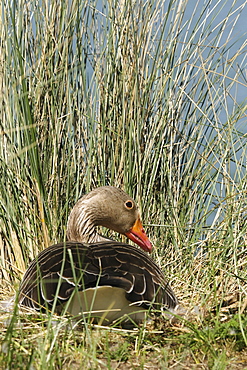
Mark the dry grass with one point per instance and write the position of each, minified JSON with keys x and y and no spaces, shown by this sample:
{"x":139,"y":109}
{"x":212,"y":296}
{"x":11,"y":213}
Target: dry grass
{"x":147,"y":97}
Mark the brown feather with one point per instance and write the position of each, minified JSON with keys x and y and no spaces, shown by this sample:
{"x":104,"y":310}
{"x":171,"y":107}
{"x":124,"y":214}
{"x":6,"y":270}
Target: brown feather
{"x":62,"y":271}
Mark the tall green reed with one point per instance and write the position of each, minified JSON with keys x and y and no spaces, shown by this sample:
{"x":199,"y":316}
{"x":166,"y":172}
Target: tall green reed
{"x":141,"y":95}
{"x":135,"y":95}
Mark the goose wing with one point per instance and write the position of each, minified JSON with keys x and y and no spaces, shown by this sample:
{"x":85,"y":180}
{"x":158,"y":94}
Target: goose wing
{"x":53,"y":276}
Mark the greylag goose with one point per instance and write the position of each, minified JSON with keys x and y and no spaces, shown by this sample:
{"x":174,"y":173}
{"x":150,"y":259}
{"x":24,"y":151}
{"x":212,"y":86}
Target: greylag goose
{"x":91,"y":275}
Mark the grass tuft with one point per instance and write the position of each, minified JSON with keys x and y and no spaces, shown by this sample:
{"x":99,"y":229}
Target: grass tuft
{"x":149,"y":97}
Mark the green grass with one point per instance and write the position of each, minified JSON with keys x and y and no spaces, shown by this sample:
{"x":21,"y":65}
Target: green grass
{"x":37,"y":342}
{"x":145,"y":97}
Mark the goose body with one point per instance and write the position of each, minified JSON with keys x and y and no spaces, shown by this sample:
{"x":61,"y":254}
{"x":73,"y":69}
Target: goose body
{"x":90,"y":275}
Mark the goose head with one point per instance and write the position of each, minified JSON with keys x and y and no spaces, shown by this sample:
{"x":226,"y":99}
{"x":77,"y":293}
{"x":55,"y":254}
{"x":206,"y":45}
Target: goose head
{"x":109,"y":207}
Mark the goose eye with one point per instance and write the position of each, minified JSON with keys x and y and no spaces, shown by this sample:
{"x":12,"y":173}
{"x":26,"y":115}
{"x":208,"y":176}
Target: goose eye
{"x":129,"y":204}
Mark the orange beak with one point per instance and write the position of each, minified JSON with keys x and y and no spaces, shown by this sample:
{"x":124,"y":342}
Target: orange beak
{"x":138,"y":236}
